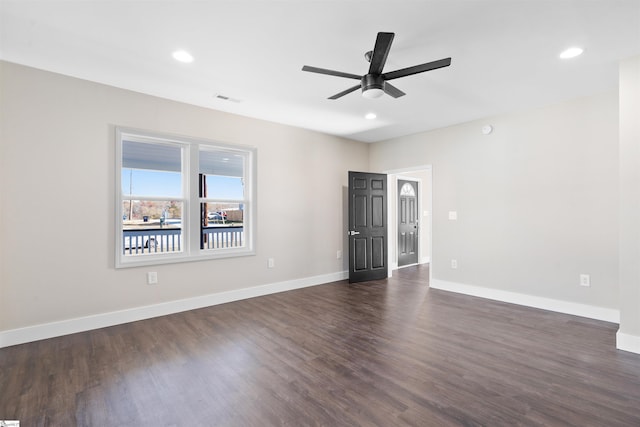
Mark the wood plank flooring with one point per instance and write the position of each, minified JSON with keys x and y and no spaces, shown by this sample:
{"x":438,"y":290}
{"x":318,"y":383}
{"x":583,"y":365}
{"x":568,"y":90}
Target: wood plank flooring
{"x":383,"y":353}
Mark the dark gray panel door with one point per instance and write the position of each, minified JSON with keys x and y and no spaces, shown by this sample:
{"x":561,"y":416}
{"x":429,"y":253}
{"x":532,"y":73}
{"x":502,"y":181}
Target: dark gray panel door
{"x":407,"y":222}
{"x":367,"y":226}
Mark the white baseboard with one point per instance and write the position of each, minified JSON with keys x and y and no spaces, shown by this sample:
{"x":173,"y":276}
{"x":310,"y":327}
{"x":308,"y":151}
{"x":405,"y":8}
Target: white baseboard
{"x":566,"y":307}
{"x":628,"y":342}
{"x":80,"y":324}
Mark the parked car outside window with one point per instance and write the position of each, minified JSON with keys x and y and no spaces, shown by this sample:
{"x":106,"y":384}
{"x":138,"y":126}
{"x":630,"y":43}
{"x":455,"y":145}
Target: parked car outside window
{"x":217,"y":216}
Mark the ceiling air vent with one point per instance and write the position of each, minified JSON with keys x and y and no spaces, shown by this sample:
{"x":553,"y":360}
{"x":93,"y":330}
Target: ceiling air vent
{"x":226,"y":98}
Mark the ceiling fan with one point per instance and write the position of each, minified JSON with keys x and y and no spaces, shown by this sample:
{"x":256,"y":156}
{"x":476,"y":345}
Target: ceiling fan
{"x":375,"y":83}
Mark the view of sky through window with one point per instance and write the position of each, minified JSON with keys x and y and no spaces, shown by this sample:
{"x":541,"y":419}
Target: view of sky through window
{"x":167,"y":184}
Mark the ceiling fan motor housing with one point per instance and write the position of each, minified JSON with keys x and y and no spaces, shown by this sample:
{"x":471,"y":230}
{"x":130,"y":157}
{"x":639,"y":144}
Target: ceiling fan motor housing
{"x":372,"y":81}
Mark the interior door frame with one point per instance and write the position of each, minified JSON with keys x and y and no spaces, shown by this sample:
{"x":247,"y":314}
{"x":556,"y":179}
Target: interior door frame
{"x":427,"y":223}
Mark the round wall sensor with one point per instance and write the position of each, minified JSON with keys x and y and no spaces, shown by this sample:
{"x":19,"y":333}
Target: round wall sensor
{"x":487,"y":129}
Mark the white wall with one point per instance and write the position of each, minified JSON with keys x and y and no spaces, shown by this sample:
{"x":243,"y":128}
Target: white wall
{"x":629,"y":333}
{"x":57,"y":199}
{"x":536,"y":200}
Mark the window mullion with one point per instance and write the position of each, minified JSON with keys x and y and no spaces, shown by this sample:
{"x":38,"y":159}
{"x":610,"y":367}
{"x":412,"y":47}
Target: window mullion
{"x":126,"y":197}
{"x":194,"y":200}
{"x":214,"y":200}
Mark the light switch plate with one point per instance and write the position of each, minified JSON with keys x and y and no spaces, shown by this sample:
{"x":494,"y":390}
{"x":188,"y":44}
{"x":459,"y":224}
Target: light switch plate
{"x":453,"y":215}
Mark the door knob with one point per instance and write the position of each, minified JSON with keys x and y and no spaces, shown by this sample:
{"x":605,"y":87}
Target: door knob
{"x":353,"y":233}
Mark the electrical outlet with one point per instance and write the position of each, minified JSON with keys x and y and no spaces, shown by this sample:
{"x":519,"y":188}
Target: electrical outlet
{"x":585,"y":280}
{"x":271,"y":263}
{"x":454,"y":263}
{"x":152,"y":278}
{"x":453,"y":215}
{"x":338,"y":254}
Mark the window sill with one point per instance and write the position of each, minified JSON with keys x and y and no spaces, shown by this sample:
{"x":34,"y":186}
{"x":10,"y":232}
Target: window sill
{"x":152,"y":259}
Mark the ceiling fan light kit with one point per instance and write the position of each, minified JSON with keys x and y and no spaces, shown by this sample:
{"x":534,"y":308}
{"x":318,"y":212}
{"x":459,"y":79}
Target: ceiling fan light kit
{"x":372,"y":93}
{"x":375,"y":83}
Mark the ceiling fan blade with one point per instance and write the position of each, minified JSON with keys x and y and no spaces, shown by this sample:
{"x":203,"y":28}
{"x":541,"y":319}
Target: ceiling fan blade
{"x":380,"y":52}
{"x":344,"y":92}
{"x":330,"y":72}
{"x":392,"y":90}
{"x":417,"y":69}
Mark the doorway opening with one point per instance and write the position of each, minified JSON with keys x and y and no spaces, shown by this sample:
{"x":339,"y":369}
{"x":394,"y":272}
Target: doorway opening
{"x":422,"y":177}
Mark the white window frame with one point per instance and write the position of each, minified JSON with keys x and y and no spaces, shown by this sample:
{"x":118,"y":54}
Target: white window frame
{"x":190,"y":198}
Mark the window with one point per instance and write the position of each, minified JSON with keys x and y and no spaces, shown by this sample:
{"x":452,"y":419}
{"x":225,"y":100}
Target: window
{"x":181,"y":199}
{"x":407,"y":190}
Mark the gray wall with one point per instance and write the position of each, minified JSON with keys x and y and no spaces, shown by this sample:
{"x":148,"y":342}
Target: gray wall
{"x":536,"y":199}
{"x":57,"y":199}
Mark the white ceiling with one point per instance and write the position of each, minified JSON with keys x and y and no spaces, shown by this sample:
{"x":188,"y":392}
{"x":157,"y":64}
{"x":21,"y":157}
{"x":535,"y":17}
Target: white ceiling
{"x":504,"y":54}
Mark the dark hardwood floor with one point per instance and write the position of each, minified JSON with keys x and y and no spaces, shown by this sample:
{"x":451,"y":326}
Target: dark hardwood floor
{"x":384,"y":353}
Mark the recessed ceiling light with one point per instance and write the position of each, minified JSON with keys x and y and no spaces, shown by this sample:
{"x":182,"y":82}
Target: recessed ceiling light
{"x":370,"y":116}
{"x":572,"y":52}
{"x":182,"y":56}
